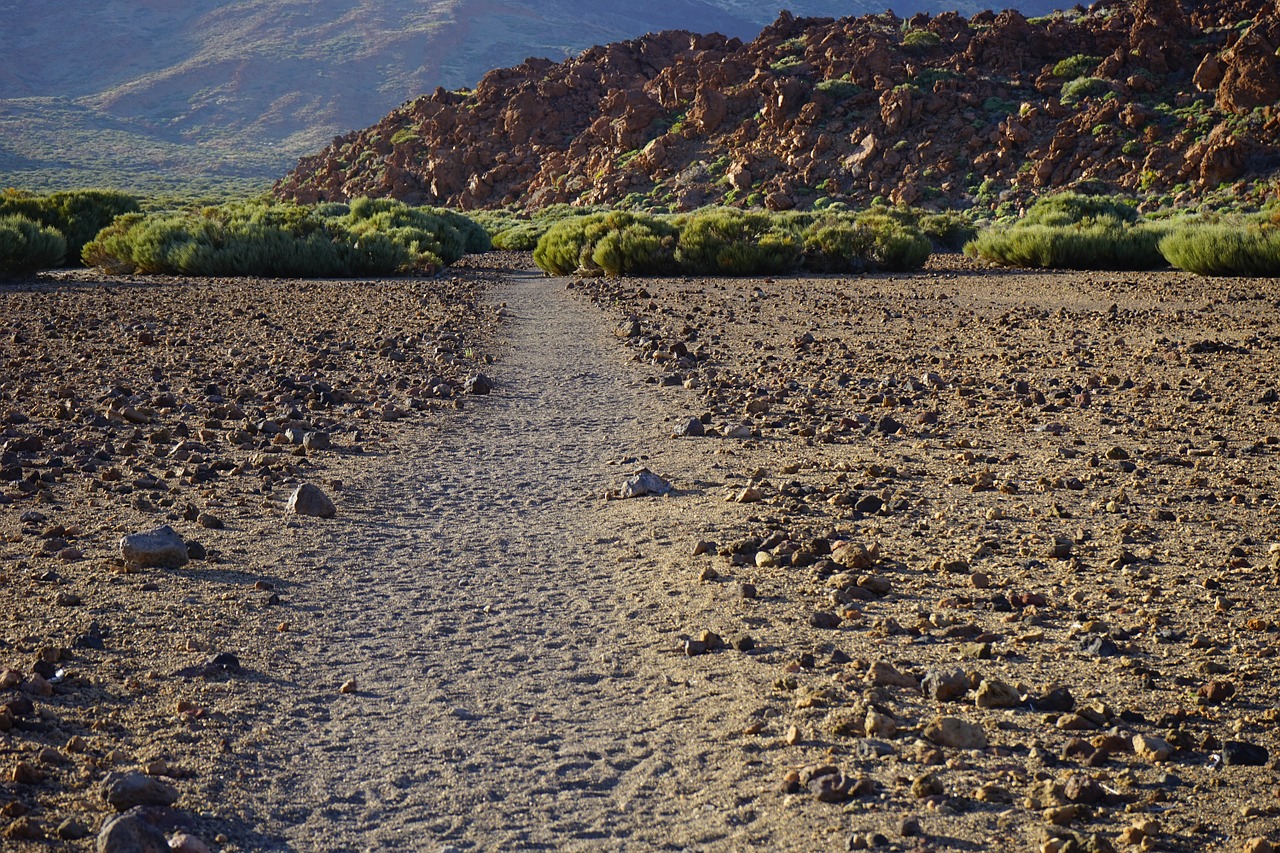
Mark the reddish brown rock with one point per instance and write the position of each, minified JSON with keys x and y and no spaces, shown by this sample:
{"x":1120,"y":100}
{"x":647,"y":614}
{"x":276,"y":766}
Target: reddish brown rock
{"x":840,"y":105}
{"x":1251,"y":67}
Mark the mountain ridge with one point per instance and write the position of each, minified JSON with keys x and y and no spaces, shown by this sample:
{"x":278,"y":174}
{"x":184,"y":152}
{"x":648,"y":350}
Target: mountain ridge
{"x":1157,"y":97}
{"x":223,"y":89}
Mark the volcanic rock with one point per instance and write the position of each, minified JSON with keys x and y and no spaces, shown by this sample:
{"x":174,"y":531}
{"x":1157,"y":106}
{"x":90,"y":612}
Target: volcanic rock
{"x":159,"y":548}
{"x":308,"y":499}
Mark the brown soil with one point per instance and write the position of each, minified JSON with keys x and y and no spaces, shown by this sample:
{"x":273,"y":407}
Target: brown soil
{"x":1088,"y":504}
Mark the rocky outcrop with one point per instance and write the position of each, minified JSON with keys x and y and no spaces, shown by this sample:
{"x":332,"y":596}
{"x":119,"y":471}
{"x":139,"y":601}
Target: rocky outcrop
{"x":940,"y":111}
{"x":1250,"y":68}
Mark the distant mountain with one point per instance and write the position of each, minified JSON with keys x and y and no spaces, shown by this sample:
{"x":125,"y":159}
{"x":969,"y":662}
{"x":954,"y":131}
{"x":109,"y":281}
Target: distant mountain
{"x":146,"y":93}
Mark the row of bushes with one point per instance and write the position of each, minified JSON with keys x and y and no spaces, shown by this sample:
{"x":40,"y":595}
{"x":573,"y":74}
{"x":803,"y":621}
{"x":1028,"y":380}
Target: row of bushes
{"x":366,"y":237}
{"x":727,"y":241}
{"x":41,"y":231}
{"x":383,"y":237}
{"x":1073,"y":231}
{"x":108,"y":230}
{"x":520,"y":231}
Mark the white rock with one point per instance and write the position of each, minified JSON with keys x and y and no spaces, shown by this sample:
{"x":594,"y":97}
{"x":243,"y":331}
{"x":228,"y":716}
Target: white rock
{"x":644,"y":482}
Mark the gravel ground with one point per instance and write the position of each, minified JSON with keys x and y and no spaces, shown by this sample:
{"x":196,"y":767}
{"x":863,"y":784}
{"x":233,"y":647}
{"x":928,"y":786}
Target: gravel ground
{"x":964,"y":559}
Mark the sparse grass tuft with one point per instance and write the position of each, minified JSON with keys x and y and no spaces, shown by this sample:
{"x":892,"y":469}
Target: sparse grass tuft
{"x":1074,"y":91}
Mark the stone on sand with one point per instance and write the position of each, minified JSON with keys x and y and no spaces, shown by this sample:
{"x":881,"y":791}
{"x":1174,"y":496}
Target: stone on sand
{"x":130,"y":833}
{"x":159,"y":548}
{"x":644,"y":482}
{"x":123,"y":791}
{"x":308,"y":499}
{"x":956,"y":733}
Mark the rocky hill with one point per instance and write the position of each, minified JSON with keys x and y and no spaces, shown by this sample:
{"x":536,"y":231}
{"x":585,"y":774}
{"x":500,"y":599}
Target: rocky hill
{"x":130,"y":91}
{"x":1161,"y":97}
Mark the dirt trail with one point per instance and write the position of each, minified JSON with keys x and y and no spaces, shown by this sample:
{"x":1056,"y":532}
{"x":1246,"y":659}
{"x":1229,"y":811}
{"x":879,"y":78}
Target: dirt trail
{"x":511,"y":668}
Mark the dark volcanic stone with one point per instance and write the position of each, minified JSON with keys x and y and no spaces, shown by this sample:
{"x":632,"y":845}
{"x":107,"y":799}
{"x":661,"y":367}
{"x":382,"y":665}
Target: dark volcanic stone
{"x":1246,"y":754}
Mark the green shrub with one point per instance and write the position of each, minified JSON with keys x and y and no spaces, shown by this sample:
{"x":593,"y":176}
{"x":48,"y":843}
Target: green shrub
{"x":27,"y":245}
{"x":920,"y":40}
{"x":559,"y":250}
{"x":1247,"y":249}
{"x":948,"y":230}
{"x":1076,"y":66}
{"x":900,"y":249}
{"x":998,"y":106}
{"x":417,"y":228}
{"x":521,"y":230}
{"x":367,"y":237}
{"x":730,"y":242}
{"x":331,"y":209}
{"x":77,"y":214}
{"x":1080,"y":88}
{"x":645,"y":246}
{"x":522,"y":237}
{"x":726,"y":241}
{"x":475,"y":239}
{"x":837,"y":246}
{"x":617,"y":243}
{"x":838,"y":90}
{"x":1103,"y":244}
{"x":1071,"y":208}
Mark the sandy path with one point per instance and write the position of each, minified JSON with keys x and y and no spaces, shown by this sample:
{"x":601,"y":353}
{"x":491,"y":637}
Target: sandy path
{"x":511,"y":691}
